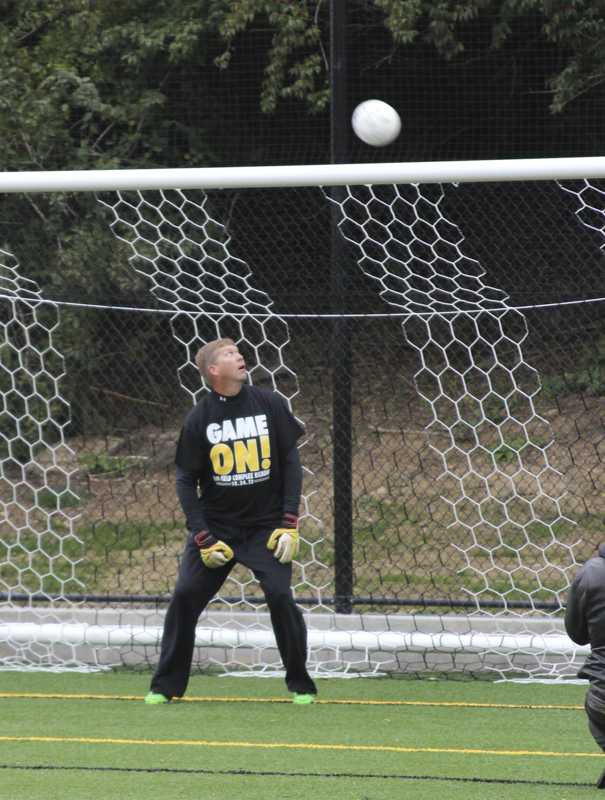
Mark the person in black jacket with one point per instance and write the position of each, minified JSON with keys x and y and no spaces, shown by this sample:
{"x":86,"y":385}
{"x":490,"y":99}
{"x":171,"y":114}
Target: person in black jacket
{"x":239,"y":481}
{"x":585,"y":624}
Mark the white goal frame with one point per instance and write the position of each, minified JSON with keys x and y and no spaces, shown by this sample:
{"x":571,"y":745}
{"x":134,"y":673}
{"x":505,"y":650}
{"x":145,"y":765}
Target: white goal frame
{"x":517,"y":169}
{"x":331,"y":633}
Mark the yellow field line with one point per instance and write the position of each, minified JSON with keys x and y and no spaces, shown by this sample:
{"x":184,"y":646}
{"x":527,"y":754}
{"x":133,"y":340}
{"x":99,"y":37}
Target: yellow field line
{"x":210,"y":699}
{"x":377,"y":748}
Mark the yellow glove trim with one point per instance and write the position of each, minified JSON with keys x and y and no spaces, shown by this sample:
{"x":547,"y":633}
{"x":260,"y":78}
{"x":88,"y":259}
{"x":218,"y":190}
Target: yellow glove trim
{"x":218,"y":547}
{"x":275,"y":536}
{"x":273,"y":540}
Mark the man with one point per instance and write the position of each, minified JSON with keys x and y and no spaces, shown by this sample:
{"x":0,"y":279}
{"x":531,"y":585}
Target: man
{"x":238,"y":446}
{"x":585,"y":624}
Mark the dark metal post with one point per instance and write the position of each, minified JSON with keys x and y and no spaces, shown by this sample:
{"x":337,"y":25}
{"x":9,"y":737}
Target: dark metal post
{"x":341,"y":344}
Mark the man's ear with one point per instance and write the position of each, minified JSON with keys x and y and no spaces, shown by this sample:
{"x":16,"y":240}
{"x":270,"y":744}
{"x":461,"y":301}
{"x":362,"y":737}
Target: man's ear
{"x":602,"y":550}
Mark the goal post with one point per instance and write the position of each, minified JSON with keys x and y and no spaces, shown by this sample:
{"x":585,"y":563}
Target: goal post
{"x":477,"y":435}
{"x":206,"y":178}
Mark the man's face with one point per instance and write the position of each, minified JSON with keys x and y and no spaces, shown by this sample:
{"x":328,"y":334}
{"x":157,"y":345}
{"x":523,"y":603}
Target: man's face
{"x":229,"y":365}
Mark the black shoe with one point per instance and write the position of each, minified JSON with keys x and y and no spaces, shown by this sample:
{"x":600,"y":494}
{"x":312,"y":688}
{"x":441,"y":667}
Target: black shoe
{"x":601,"y":781}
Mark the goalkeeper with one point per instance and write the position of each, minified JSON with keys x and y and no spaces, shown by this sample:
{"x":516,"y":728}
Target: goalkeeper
{"x":585,"y":624}
{"x":238,"y":479}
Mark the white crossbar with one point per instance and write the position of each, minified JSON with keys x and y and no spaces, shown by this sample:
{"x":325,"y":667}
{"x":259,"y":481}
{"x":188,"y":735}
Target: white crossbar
{"x":521,"y":169}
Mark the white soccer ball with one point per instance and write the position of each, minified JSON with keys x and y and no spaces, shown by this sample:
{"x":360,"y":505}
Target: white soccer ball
{"x":376,"y":123}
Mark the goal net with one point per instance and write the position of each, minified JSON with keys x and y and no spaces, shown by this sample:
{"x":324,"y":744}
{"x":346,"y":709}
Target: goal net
{"x":468,"y":317}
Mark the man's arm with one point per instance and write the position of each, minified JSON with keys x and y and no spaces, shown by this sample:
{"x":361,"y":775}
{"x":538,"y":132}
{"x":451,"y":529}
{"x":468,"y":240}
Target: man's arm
{"x":186,"y":489}
{"x":576,"y":623}
{"x":293,"y":477}
{"x":284,"y":540}
{"x":213,"y":552}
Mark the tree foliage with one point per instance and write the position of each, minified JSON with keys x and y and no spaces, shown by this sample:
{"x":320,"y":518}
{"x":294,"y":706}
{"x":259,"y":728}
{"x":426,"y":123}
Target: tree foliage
{"x":295,"y":67}
{"x":84,"y":83}
{"x":576,"y":27}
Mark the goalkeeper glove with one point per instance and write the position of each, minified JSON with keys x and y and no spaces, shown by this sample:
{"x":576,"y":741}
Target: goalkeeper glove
{"x":284,"y":540}
{"x":213,"y":552}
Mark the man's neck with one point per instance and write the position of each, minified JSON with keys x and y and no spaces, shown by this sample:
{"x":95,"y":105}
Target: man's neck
{"x":227,"y":388}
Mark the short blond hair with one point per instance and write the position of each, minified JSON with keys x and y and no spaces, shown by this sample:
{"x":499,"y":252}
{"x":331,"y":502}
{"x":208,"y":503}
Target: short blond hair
{"x":207,"y":355}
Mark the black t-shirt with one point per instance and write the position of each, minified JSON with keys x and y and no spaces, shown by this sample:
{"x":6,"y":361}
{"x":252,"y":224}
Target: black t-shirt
{"x":585,"y":617}
{"x":236,"y":447}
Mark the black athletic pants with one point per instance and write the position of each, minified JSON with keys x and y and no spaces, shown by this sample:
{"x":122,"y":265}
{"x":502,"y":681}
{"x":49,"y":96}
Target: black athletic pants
{"x":196,"y":585}
{"x":595,"y":710}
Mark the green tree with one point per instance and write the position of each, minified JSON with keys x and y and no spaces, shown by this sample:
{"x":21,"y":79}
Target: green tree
{"x":90,"y":85}
{"x":296,"y":65}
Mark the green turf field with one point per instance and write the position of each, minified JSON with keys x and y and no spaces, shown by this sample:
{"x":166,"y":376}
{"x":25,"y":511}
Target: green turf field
{"x":73,"y":736}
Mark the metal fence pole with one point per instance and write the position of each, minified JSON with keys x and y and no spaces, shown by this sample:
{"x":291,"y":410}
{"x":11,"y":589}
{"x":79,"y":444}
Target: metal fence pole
{"x":341,"y":345}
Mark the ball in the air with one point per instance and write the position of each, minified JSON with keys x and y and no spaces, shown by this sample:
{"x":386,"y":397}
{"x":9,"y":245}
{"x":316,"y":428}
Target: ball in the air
{"x":376,"y":123}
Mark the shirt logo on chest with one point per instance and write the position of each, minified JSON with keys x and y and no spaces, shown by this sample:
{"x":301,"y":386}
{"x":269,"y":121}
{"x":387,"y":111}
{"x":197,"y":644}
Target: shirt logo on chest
{"x":240,"y":451}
